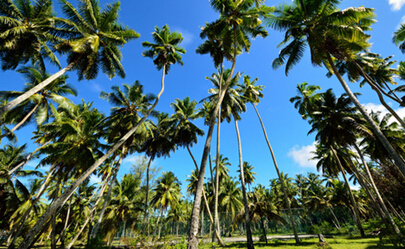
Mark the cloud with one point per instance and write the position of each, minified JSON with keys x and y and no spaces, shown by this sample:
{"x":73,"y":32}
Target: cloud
{"x":355,"y":187}
{"x":396,"y":4}
{"x":301,"y":155}
{"x":95,"y":87}
{"x":188,"y":37}
{"x":94,"y":179}
{"x":383,"y":110}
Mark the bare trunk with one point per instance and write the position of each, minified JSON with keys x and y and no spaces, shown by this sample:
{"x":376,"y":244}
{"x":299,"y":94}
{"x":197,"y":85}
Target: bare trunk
{"x":293,"y":225}
{"x":242,"y":179}
{"x":20,"y":123}
{"x":108,"y":196}
{"x":10,"y":105}
{"x":145,"y":223}
{"x":337,"y":224}
{"x":65,"y":196}
{"x":217,"y":172}
{"x":355,"y":207}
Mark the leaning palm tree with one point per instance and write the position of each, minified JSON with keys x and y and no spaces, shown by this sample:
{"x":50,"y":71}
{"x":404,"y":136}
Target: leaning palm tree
{"x":238,"y":21}
{"x":168,"y":50}
{"x":332,"y":35}
{"x":252,"y":93}
{"x":94,"y":37}
{"x":40,"y":104}
{"x":27,"y":31}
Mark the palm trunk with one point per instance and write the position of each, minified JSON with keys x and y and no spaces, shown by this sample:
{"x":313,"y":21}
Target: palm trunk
{"x":192,"y":237}
{"x":21,"y":122}
{"x":294,"y":226}
{"x":217,"y":172}
{"x":62,"y":235}
{"x":90,"y":217}
{"x":388,"y":216}
{"x":37,"y":197}
{"x":242,"y":179}
{"x":355,"y":207}
{"x":53,"y":207}
{"x":10,"y":105}
{"x":145,"y":222}
{"x":221,"y":242}
{"x":108,"y":196}
{"x":263,"y":229}
{"x":336,"y":219}
{"x":399,"y":162}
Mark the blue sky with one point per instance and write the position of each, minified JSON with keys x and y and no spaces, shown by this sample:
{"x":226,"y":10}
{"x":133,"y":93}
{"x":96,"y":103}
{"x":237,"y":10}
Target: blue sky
{"x":286,"y":130}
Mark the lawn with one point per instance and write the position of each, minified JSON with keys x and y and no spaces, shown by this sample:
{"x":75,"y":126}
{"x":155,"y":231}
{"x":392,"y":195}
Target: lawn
{"x":334,"y":243}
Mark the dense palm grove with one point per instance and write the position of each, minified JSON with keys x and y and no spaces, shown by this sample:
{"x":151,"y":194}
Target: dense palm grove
{"x":61,"y":207}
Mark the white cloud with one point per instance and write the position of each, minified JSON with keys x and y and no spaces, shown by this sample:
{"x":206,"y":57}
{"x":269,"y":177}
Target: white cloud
{"x":396,"y":4}
{"x":94,"y":179}
{"x":355,"y":187}
{"x":188,"y":37}
{"x":380,"y":108}
{"x":301,"y":155}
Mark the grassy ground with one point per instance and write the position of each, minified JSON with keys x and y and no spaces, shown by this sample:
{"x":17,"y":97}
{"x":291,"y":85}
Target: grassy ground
{"x":334,"y":243}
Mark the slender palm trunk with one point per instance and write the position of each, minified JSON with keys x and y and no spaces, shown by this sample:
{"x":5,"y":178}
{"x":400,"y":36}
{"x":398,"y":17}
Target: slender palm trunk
{"x":62,"y":235}
{"x":263,"y":229}
{"x":21,"y":122}
{"x":245,"y":200}
{"x":145,"y":222}
{"x":37,"y":197}
{"x":293,"y":225}
{"x":388,"y":216}
{"x":336,"y":219}
{"x":10,"y":105}
{"x":90,"y":217}
{"x":217,"y":228}
{"x":108,"y":196}
{"x":54,"y":206}
{"x":356,"y":213}
{"x":221,"y":242}
{"x":192,"y":237}
{"x":399,"y":162}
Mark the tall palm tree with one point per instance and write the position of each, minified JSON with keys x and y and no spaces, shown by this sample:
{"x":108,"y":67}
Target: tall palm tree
{"x":62,"y":199}
{"x":332,"y":35}
{"x":252,"y":93}
{"x":167,"y":194}
{"x":27,"y":30}
{"x":304,"y":101}
{"x":39,"y":104}
{"x":248,"y":173}
{"x":238,"y":21}
{"x":94,"y":37}
{"x":157,"y":144}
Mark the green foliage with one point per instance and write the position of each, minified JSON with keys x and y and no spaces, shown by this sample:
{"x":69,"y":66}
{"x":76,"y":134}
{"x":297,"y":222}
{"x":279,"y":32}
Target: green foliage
{"x":95,"y":243}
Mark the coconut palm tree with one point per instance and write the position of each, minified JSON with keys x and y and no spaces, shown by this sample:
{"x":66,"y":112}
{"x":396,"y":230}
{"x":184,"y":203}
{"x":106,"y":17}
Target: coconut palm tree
{"x":248,"y":173}
{"x":166,"y":194}
{"x":304,"y":101}
{"x":94,"y":37}
{"x":27,"y":31}
{"x":252,"y":93}
{"x":38,"y":105}
{"x":332,"y":35}
{"x":129,"y":103}
{"x":62,"y":199}
{"x":238,"y":20}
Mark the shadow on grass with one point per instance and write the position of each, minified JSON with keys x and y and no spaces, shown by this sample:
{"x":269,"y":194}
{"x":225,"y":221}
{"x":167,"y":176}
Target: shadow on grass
{"x":272,"y":244}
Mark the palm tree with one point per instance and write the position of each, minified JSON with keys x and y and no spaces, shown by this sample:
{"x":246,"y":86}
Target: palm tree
{"x":94,"y":37}
{"x":304,"y":101}
{"x":39,"y":104}
{"x":129,"y":104}
{"x":252,"y":93}
{"x":26,"y":32}
{"x":157,"y":144}
{"x":238,"y":20}
{"x":248,"y":173}
{"x":62,"y":199}
{"x":167,"y":194}
{"x":332,"y":35}
{"x":335,"y":122}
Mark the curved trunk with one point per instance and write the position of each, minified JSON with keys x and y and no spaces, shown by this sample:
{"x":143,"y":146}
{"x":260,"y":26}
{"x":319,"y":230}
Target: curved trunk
{"x":399,"y":162}
{"x":108,"y":196}
{"x":21,"y":122}
{"x":59,"y":202}
{"x":245,"y":201}
{"x":355,"y":207}
{"x":10,"y":105}
{"x":294,"y":227}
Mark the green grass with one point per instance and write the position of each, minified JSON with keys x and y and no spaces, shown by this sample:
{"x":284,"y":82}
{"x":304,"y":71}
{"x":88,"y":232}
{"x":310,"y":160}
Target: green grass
{"x":334,"y":243}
